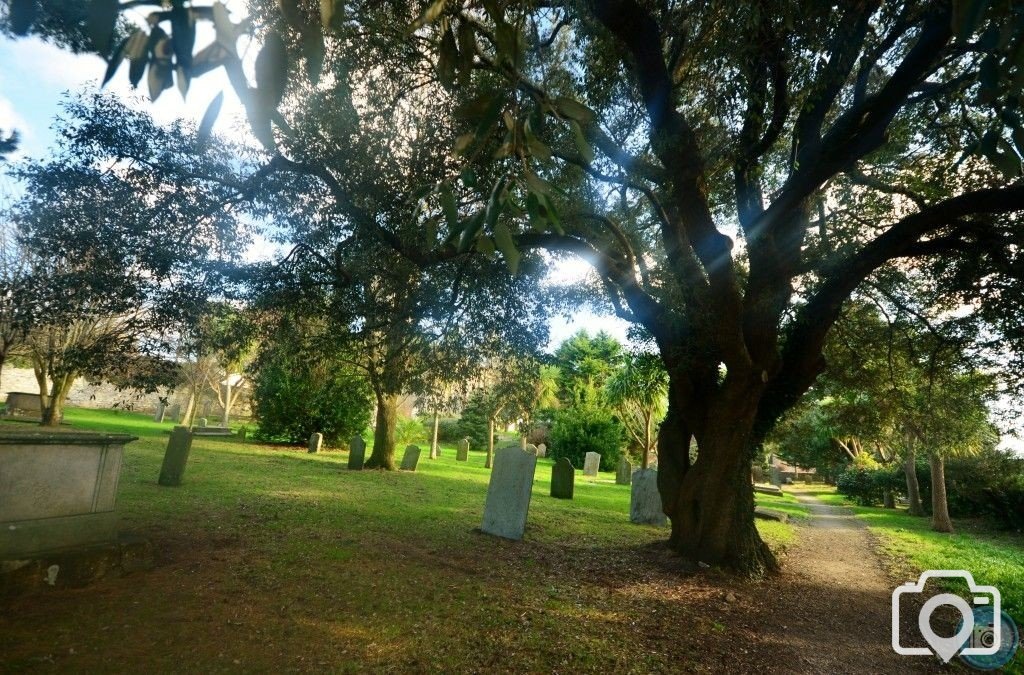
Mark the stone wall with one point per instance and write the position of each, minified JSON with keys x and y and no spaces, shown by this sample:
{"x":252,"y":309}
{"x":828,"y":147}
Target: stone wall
{"x":106,"y":396}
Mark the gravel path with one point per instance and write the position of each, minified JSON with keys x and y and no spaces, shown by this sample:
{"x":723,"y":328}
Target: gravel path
{"x":834,"y":600}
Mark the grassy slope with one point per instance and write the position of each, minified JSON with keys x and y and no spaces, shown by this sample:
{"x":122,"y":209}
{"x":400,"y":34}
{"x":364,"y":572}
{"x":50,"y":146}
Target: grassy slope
{"x":359,"y":569}
{"x":993,"y":558}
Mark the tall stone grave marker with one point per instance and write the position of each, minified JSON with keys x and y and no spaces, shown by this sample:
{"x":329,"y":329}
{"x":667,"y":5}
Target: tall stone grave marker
{"x":530,"y":448}
{"x":158,"y":416}
{"x":625,"y":471}
{"x":508,"y":493}
{"x":411,"y":459}
{"x":645,"y":500}
{"x":176,"y":457}
{"x":542,"y":450}
{"x":356,"y":453}
{"x":563,"y":479}
{"x":591,"y":463}
{"x":462,"y":454}
{"x":202,"y":423}
{"x":316,"y":443}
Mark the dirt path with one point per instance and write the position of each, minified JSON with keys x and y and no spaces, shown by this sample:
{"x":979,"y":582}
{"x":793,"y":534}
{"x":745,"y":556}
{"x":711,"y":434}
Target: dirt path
{"x":834,"y":600}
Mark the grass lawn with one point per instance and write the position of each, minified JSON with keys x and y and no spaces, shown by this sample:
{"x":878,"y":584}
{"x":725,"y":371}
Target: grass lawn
{"x":270,"y":558}
{"x":910,"y":546}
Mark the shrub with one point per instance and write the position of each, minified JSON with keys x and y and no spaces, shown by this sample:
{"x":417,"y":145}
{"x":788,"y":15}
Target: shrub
{"x":294,"y":396}
{"x":866,"y":484}
{"x":577,"y":431}
{"x":539,"y":433}
{"x":409,"y":431}
{"x":448,"y":431}
{"x":473,"y":424}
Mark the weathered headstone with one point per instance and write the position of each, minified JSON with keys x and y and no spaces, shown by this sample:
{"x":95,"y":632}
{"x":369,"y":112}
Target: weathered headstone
{"x":175,"y":457}
{"x":625,"y":471}
{"x":645,"y":500}
{"x":462,"y":454}
{"x":175,"y":413}
{"x":542,"y":450}
{"x":201,"y":423}
{"x":563,"y":479}
{"x":411,"y":458}
{"x":508,"y":493}
{"x":316,"y":442}
{"x":158,"y":416}
{"x":591,"y":463}
{"x":530,"y":448}
{"x":356,"y":453}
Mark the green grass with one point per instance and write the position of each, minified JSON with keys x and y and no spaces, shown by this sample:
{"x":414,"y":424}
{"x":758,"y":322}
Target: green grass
{"x":267,"y":552}
{"x":993,"y":558}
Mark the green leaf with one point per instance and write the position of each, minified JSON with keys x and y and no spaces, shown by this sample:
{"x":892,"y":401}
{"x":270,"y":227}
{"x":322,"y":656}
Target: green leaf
{"x":506,"y":40}
{"x":447,"y":60}
{"x":271,"y":71}
{"x":226,"y":33}
{"x":160,"y":77}
{"x":507,"y":245}
{"x":449,"y":205}
{"x":313,"y":50}
{"x":292,"y":13}
{"x":431,"y":14}
{"x":209,"y":117}
{"x":326,"y":13}
{"x":212,"y":56}
{"x":485,"y":245}
{"x":233,"y":68}
{"x":183,"y":36}
{"x":574,"y":110}
{"x":101,"y":22}
{"x":183,"y":80}
{"x":536,"y":184}
{"x":988,"y":78}
{"x":463,"y":142}
{"x":467,"y":50}
{"x":966,"y":17}
{"x":581,"y":142}
{"x":115,"y":61}
{"x":537,"y":148}
{"x":21,"y":15}
{"x":468,"y":177}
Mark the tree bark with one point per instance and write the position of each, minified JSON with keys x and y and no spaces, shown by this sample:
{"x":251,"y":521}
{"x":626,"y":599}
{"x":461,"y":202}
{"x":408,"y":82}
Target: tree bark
{"x":490,"y":443}
{"x":52,"y":410}
{"x":940,"y":507}
{"x":225,"y":419}
{"x":383,"y":455}
{"x":711,"y":502}
{"x":914,"y":505}
{"x":433,"y":438}
{"x":645,"y":461}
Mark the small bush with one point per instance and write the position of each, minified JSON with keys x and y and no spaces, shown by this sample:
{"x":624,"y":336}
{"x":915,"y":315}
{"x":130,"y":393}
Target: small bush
{"x":577,"y":431}
{"x":866,"y":485}
{"x":410,"y":431}
{"x":539,"y":433}
{"x":448,"y":431}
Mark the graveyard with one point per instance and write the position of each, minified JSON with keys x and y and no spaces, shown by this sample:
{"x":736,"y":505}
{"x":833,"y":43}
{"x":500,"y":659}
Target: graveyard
{"x":269,"y":557}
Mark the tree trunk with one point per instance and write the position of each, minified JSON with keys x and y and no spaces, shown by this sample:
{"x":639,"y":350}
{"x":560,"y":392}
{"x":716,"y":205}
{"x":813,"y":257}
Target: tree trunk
{"x":915,"y":507}
{"x":645,"y":461}
{"x":711,"y":502}
{"x":190,"y":409}
{"x":433,"y":438}
{"x":52,"y":411}
{"x":940,"y":508}
{"x":227,"y":401}
{"x":383,"y":455}
{"x":490,"y":443}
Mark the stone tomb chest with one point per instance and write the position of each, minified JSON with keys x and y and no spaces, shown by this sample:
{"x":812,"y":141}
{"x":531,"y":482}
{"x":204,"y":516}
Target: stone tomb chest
{"x":57,"y":489}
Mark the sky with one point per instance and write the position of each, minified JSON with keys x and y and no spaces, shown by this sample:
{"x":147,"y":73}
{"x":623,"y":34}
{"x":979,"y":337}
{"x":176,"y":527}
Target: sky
{"x":35,"y":77}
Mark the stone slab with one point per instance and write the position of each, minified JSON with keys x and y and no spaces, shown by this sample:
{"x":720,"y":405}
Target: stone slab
{"x":462,"y":452}
{"x":316,"y":443}
{"x":356,"y":453}
{"x":591,"y":464}
{"x":508,"y":493}
{"x":175,"y":457}
{"x":768,"y":489}
{"x":542,"y":450}
{"x":411,"y":458}
{"x":74,"y":567}
{"x":624,"y":472}
{"x":563,"y":479}
{"x":770,"y":514}
{"x":645,"y":500}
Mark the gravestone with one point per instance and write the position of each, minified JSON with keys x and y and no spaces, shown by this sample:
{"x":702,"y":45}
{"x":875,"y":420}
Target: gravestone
{"x":645,"y":500}
{"x":316,"y":443}
{"x":356,"y":453}
{"x":591,"y":463}
{"x":530,"y":448}
{"x":202,"y":423}
{"x":158,"y":416}
{"x":175,"y":413}
{"x":624,"y":472}
{"x":563,"y":479}
{"x":542,"y":450}
{"x":411,"y":459}
{"x":462,"y":454}
{"x":175,"y":457}
{"x":508,"y":493}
